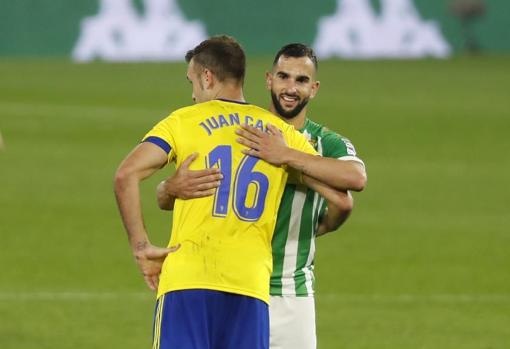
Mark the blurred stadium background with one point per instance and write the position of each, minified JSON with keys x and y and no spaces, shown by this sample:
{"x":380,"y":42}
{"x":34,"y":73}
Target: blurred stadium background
{"x":422,"y":263}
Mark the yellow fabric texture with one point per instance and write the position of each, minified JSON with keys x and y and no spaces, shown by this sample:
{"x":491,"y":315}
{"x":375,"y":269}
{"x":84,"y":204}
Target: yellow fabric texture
{"x":226,"y":238}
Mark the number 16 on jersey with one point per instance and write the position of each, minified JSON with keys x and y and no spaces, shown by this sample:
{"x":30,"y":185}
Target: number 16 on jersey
{"x":245,"y":176}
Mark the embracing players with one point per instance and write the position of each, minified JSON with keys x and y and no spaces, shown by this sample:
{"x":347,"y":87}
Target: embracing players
{"x":303,"y":214}
{"x":213,"y":279}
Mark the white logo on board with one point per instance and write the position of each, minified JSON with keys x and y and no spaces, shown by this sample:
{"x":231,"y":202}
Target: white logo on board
{"x":119,"y":33}
{"x":355,"y":31}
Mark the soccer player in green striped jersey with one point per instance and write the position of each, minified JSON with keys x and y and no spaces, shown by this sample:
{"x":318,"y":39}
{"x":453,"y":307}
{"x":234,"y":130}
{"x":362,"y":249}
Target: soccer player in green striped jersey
{"x":303,"y":213}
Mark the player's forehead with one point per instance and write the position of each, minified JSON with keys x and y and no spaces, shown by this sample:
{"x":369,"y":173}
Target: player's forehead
{"x":295,"y":66}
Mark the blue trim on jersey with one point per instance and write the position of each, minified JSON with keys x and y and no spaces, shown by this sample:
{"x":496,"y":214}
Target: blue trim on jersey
{"x":198,"y":319}
{"x":231,"y":101}
{"x":159,"y":142}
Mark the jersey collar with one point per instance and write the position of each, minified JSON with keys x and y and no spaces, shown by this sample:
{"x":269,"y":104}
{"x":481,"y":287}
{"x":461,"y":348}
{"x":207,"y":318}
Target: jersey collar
{"x":231,"y":101}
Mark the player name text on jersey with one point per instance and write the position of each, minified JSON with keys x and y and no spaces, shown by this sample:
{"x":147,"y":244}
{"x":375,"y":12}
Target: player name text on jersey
{"x":216,"y":122}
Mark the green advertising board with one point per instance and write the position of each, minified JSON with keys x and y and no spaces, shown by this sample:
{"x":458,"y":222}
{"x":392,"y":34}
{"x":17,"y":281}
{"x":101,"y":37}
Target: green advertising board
{"x":164,"y":29}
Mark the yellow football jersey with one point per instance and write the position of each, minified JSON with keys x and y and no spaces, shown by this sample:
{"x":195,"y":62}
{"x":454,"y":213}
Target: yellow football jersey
{"x":226,"y":238}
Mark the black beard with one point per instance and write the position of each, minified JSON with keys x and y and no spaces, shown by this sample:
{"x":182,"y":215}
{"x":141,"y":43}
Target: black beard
{"x":288,"y":114}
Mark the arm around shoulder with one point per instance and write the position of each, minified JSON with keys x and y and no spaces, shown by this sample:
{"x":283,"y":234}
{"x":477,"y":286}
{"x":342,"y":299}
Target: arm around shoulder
{"x":339,"y":174}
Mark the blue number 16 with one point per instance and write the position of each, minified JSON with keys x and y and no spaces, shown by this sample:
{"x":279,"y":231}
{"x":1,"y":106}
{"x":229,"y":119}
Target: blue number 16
{"x":222,"y":156}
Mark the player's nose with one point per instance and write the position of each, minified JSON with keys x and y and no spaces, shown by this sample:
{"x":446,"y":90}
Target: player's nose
{"x":291,"y":89}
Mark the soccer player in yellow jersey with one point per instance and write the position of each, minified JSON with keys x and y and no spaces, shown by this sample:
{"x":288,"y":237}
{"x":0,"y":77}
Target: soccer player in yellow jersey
{"x":213,"y":286}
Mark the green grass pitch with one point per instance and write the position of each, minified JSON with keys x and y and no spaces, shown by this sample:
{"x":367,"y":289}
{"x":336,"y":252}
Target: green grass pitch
{"x":424,"y":261}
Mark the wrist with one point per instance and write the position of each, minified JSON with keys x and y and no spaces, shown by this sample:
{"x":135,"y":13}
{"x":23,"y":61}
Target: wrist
{"x":293,"y":158}
{"x":138,"y":248}
{"x":289,"y":157}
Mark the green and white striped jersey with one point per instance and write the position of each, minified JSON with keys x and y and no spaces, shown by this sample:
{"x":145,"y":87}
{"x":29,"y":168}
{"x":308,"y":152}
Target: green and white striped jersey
{"x":298,"y":217}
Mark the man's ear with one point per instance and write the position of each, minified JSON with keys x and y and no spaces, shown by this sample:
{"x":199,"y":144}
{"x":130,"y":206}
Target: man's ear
{"x":208,"y":79}
{"x":269,"y":80}
{"x":315,"y":88}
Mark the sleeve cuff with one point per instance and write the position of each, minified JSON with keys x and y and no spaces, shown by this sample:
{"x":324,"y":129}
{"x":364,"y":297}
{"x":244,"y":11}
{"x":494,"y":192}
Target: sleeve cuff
{"x":159,"y":142}
{"x":352,"y":158}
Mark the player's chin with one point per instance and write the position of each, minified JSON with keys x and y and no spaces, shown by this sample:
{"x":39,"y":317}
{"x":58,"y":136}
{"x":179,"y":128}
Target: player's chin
{"x":289,"y":109}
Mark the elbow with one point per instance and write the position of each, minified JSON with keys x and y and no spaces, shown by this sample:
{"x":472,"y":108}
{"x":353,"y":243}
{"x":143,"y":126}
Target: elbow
{"x":162,"y":198}
{"x":119,"y":180}
{"x":347,"y":205}
{"x":163,"y":205}
{"x":122,"y":177}
{"x":344,"y":202}
{"x":359,"y":182}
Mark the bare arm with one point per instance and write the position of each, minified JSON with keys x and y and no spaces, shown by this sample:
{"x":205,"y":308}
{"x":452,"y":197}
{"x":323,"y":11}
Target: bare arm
{"x":271,"y":147}
{"x":334,"y":196}
{"x":343,"y":175}
{"x":336,"y":215}
{"x":340,"y":204}
{"x":141,"y":163}
{"x":187,"y":184}
{"x":166,"y":200}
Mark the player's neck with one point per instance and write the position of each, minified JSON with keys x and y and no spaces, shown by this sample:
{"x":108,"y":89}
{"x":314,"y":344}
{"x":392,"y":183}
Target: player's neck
{"x":298,"y":121}
{"x":231,"y":93}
